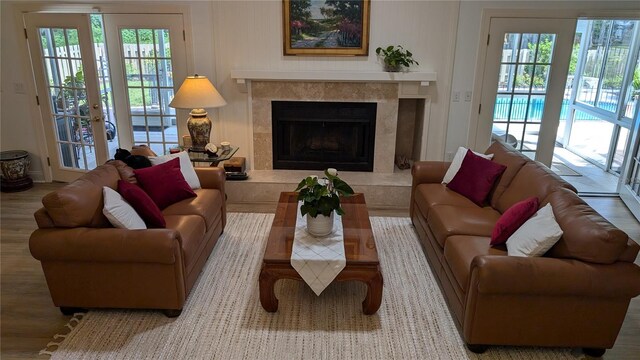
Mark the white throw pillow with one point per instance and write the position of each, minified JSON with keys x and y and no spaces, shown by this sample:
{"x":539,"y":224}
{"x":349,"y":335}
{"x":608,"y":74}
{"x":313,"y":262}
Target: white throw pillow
{"x":456,"y":163}
{"x":536,"y":236}
{"x":119,"y":213}
{"x":186,"y":167}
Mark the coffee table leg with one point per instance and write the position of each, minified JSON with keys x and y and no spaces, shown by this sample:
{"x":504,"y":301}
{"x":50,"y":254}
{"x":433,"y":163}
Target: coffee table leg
{"x":372,"y":302}
{"x":267,"y":295}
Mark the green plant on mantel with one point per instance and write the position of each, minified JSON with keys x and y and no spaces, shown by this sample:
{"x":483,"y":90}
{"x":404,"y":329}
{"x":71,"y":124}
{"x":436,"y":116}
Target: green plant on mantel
{"x":395,"y":58}
{"x":322,"y":196}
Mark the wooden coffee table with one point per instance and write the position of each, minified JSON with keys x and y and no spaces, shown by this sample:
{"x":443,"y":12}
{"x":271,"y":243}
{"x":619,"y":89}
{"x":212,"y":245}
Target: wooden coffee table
{"x":360,"y":250}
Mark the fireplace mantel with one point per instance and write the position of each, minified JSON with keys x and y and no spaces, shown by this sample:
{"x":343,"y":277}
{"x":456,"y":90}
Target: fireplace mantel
{"x":410,"y":82}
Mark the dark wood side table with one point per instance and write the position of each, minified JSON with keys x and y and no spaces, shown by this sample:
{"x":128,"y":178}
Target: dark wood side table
{"x":360,"y":250}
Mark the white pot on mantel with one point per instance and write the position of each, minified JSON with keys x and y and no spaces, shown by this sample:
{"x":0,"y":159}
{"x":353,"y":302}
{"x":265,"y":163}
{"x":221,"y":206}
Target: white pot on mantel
{"x":320,"y":225}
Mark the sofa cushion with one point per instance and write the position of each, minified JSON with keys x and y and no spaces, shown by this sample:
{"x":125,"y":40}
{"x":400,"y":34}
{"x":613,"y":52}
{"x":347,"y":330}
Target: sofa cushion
{"x":536,"y":236}
{"x":164,"y":183}
{"x":512,"y":219}
{"x":125,"y":171}
{"x":207,"y":205}
{"x":192,"y":231}
{"x":587,"y":235}
{"x":448,"y":220}
{"x":427,"y":195}
{"x":460,"y":250}
{"x":512,"y":159}
{"x":534,"y":179}
{"x":142,"y":204}
{"x":186,"y":167}
{"x":119,"y":212}
{"x":456,"y":163}
{"x":476,"y":177}
{"x":80,"y":202}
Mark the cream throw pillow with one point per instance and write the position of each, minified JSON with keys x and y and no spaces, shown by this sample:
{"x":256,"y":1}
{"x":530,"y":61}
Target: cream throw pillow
{"x":457,"y":162}
{"x":119,"y":213}
{"x":536,"y":236}
{"x":186,"y":167}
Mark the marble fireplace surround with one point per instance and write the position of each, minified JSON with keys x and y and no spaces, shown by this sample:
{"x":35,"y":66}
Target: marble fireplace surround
{"x":384,"y":94}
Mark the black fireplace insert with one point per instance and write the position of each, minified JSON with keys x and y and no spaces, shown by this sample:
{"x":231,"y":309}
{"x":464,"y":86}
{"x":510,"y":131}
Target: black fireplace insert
{"x":309,"y":135}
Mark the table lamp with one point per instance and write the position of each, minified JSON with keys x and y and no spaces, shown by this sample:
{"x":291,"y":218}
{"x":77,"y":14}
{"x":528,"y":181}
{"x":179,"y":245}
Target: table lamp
{"x":197,"y":93}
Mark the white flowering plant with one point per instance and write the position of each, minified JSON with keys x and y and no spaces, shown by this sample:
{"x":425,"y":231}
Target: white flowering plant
{"x":322,"y":196}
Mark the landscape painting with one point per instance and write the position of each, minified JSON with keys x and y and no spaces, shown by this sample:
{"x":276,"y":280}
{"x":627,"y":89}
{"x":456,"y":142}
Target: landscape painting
{"x":326,"y":27}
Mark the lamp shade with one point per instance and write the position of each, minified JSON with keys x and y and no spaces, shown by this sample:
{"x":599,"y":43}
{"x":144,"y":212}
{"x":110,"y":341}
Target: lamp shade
{"x":197,"y":92}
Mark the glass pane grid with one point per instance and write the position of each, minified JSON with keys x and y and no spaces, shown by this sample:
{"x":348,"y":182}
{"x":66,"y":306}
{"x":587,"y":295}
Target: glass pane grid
{"x":522,"y":86}
{"x":147,"y":60}
{"x":62,"y":63}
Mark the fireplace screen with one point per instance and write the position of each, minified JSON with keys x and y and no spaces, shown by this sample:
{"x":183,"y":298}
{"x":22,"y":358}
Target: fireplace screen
{"x":317,"y":135}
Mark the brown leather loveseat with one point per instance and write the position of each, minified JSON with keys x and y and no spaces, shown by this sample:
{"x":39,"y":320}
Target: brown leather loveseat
{"x":576,"y":295}
{"x":90,"y":264}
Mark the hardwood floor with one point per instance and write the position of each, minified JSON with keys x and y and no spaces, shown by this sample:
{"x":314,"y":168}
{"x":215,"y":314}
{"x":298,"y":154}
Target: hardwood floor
{"x":29,"y":319}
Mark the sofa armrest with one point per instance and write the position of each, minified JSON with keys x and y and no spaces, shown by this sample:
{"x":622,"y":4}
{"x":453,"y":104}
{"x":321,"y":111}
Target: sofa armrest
{"x":424,"y":172}
{"x":106,"y":245}
{"x":552,"y":276}
{"x":211,"y":177}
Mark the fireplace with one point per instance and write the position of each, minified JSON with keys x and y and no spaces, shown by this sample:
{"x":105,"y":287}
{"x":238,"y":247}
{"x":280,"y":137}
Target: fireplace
{"x":310,"y":135}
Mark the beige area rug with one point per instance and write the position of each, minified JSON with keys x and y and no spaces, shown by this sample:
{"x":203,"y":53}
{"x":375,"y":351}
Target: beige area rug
{"x":223,"y":318}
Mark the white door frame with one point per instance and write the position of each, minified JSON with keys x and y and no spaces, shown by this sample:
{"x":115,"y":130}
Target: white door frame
{"x":112,"y":25}
{"x":564,"y":34}
{"x":19,"y":9}
{"x":481,"y":53}
{"x":81,"y":23}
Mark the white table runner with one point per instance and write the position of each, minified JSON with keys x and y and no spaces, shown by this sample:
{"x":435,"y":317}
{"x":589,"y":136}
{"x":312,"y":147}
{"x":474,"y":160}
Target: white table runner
{"x":318,"y":260}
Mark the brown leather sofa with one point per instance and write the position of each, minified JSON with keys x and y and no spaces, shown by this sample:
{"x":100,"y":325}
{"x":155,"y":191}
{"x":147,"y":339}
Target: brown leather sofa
{"x":90,"y":264}
{"x":576,"y":295}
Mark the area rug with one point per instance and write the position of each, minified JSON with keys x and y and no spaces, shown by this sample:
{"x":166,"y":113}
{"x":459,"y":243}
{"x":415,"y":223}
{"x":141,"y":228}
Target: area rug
{"x":223,"y":318}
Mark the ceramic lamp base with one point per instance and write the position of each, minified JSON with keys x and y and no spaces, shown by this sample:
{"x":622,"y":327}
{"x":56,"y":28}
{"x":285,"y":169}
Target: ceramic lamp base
{"x":199,"y":127}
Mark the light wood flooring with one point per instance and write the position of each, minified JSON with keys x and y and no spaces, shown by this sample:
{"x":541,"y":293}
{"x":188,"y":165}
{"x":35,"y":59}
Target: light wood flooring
{"x":29,"y":319}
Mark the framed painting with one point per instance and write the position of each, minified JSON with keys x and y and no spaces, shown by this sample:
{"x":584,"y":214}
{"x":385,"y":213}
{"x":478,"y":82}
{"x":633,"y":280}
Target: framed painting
{"x":326,"y":27}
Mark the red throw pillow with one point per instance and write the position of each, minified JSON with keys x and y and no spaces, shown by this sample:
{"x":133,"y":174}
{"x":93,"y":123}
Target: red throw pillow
{"x":142,"y":204}
{"x":476,"y":177}
{"x":513,"y":218}
{"x":164,"y":183}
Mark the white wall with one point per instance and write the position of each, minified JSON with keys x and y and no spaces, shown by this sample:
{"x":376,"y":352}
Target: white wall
{"x":17,"y":131}
{"x":468,"y":39}
{"x":248,"y":36}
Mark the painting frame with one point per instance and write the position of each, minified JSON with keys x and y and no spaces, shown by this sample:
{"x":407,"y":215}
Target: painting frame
{"x":361,"y":50}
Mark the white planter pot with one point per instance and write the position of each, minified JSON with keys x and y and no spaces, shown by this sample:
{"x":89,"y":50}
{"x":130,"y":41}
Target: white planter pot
{"x":320,"y":225}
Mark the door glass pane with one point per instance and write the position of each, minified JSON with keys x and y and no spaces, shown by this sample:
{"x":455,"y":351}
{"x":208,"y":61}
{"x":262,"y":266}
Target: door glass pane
{"x":68,"y":97}
{"x":617,"y":46}
{"x":621,"y":146}
{"x":150,"y":86}
{"x":519,"y":108}
{"x":591,"y":137}
{"x":633,"y":93}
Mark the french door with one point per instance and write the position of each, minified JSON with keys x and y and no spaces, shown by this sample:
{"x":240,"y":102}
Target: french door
{"x":524,"y":78}
{"x":148,"y":62}
{"x":70,"y":105}
{"x":145,"y":52}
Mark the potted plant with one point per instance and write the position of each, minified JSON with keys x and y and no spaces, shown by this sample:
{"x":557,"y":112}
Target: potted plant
{"x":395,"y":58}
{"x":321,"y":199}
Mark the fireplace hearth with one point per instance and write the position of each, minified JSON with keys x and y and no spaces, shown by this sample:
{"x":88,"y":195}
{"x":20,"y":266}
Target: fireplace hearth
{"x":311,"y":135}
